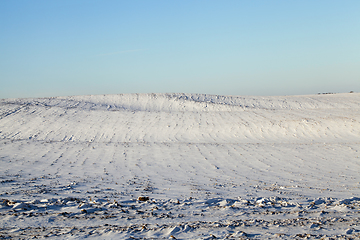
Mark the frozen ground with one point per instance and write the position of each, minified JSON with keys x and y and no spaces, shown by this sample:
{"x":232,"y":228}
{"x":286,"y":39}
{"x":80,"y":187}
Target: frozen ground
{"x":180,"y":166}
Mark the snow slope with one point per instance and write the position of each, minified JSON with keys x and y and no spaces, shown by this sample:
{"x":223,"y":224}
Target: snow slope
{"x":211,"y":166}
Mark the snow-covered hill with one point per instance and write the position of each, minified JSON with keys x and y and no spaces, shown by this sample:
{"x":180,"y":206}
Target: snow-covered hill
{"x":227,"y":166}
{"x":182,"y":118}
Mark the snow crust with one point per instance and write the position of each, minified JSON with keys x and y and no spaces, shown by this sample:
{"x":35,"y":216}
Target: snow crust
{"x":180,"y":166}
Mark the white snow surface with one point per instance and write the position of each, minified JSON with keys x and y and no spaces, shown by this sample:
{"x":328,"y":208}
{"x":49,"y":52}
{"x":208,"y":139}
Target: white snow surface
{"x":180,"y":166}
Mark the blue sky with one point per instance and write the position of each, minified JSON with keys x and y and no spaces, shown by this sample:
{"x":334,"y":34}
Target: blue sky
{"x":60,"y":48}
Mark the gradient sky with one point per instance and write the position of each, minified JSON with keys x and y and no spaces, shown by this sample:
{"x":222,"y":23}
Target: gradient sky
{"x":67,"y":47}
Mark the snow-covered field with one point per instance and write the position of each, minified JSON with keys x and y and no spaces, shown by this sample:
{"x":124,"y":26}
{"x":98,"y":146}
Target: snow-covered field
{"x":181,"y":166}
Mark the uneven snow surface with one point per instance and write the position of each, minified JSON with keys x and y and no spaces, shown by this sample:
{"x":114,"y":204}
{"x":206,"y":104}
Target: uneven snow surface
{"x":180,"y":166}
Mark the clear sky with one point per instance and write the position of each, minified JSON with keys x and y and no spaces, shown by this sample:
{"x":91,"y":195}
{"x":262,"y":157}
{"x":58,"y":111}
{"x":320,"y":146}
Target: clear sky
{"x":78,"y":47}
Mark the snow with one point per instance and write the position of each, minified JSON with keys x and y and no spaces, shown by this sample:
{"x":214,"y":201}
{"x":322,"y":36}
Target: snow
{"x":180,"y":166}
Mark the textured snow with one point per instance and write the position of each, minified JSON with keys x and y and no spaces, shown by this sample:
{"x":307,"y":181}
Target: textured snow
{"x":181,"y":166}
